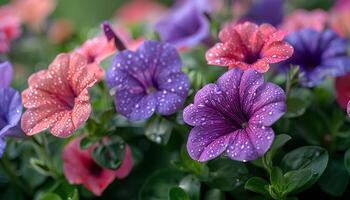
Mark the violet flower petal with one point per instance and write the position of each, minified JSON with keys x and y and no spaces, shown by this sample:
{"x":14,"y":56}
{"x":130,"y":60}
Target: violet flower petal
{"x":6,"y":74}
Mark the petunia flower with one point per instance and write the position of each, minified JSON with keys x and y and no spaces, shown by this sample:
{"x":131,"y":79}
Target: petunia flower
{"x":234,"y":116}
{"x":260,"y":12}
{"x":99,"y":48}
{"x":249,"y":46}
{"x":58,"y":99}
{"x":10,"y":28}
{"x":185,"y":25}
{"x":319,"y":54}
{"x":80,"y":168}
{"x":10,"y":107}
{"x":342,"y":88}
{"x":148,"y":80}
{"x":299,"y":19}
{"x":137,"y":11}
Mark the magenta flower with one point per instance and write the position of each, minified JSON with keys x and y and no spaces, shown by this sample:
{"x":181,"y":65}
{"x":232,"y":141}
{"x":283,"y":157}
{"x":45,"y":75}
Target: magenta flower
{"x":147,"y":81}
{"x":234,"y":116}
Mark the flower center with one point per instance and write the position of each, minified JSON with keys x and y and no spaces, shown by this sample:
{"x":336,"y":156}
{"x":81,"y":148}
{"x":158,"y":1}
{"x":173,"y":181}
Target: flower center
{"x":244,"y":125}
{"x":251,"y":58}
{"x":94,"y":168}
{"x":151,"y":89}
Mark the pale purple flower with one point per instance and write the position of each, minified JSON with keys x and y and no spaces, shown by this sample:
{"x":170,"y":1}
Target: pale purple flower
{"x":234,"y":116}
{"x":185,"y":25}
{"x":147,"y":81}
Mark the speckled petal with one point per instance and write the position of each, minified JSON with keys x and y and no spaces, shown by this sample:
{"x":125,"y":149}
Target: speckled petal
{"x":277,"y":51}
{"x":269,"y":105}
{"x":6,"y":74}
{"x":177,"y":83}
{"x":168,"y":102}
{"x":204,"y":144}
{"x":250,"y":81}
{"x":250,"y":143}
{"x":224,"y":54}
{"x":201,"y":115}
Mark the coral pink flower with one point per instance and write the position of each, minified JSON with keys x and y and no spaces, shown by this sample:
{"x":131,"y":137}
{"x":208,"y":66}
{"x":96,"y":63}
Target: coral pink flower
{"x":249,"y":46}
{"x":339,"y":21}
{"x":34,"y":12}
{"x":58,"y":98}
{"x":140,"y":10}
{"x":342,"y":87}
{"x":80,"y":168}
{"x":10,"y":28}
{"x":299,"y":19}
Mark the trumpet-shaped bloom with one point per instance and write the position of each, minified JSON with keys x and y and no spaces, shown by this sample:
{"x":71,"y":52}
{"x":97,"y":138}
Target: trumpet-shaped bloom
{"x":185,"y":25}
{"x":58,"y":99}
{"x":249,"y":46}
{"x":234,"y":115}
{"x":147,"y":81}
{"x":80,"y":168}
{"x":319,"y":54}
{"x":299,"y":19}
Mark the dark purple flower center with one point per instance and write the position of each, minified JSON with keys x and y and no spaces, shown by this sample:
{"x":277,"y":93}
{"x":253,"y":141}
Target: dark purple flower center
{"x":251,"y":58}
{"x":94,"y":168}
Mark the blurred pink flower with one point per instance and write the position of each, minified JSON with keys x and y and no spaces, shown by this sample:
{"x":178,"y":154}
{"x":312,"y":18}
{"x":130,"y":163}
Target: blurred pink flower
{"x":60,"y":31}
{"x":80,"y":168}
{"x":58,"y":98}
{"x":99,"y":48}
{"x":136,"y":11}
{"x":340,"y":17}
{"x":10,"y":28}
{"x":33,"y":12}
{"x":299,"y":19}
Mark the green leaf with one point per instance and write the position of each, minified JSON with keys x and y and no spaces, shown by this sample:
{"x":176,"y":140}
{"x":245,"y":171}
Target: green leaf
{"x":335,"y":179}
{"x":158,"y":185}
{"x":192,"y":186}
{"x":257,"y":185}
{"x":86,"y":142}
{"x":280,"y":141}
{"x":158,"y":130}
{"x":214,"y":194}
{"x":347,"y":160}
{"x":313,"y":158}
{"x":40,"y":166}
{"x":110,"y":154}
{"x":296,"y":180}
{"x":276,"y":177}
{"x":177,"y":193}
{"x":50,"y":196}
{"x":295,"y":107}
{"x":74,"y":195}
{"x":198,"y":168}
{"x":226,"y":174}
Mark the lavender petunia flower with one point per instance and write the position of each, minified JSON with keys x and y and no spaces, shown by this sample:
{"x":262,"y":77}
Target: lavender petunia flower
{"x":260,"y":12}
{"x":6,"y":74}
{"x":186,"y":24}
{"x":10,"y":115}
{"x":319,"y":54}
{"x":147,"y":81}
{"x":234,"y":116}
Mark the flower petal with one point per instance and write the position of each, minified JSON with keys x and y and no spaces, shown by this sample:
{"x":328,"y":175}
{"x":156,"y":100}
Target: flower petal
{"x":204,"y":144}
{"x":250,"y":143}
{"x":6,"y":74}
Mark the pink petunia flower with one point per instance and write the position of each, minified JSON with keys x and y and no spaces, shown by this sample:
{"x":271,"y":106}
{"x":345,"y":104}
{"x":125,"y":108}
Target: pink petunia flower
{"x":137,"y":11}
{"x":299,"y":19}
{"x":342,"y":88}
{"x":58,"y":99}
{"x":10,"y":28}
{"x":80,"y":168}
{"x":99,"y":48}
{"x":33,"y":12}
{"x":249,"y":46}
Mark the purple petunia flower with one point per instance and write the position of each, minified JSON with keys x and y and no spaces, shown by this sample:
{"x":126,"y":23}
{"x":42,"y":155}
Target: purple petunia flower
{"x":234,"y":116}
{"x":260,"y":12}
{"x":319,"y":54}
{"x":147,"y":81}
{"x":10,"y":107}
{"x":186,"y":24}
